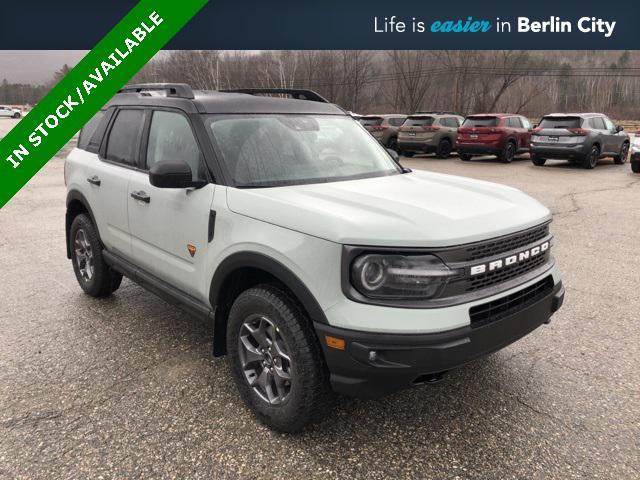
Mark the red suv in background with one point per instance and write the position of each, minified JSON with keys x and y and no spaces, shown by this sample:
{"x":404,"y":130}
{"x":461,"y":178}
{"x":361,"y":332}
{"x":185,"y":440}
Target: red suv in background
{"x":500,"y":134}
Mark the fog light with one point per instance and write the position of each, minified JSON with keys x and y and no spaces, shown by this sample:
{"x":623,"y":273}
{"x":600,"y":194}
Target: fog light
{"x":373,"y":356}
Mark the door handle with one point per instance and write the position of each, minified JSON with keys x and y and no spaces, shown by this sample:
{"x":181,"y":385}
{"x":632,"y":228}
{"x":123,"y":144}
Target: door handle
{"x":95,"y":180}
{"x":142,"y":196}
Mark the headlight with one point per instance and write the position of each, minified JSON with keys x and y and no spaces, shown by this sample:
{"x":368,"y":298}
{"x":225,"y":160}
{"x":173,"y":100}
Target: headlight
{"x":400,"y":276}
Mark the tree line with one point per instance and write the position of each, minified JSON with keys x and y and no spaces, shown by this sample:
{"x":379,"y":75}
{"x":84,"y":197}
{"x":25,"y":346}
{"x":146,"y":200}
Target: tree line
{"x":527,"y":82}
{"x":531,"y":83}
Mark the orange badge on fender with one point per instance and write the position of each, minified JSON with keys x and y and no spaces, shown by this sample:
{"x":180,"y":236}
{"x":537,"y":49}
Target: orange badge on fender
{"x":192,"y":249}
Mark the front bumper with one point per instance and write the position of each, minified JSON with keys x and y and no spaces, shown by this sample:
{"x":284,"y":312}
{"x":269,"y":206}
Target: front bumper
{"x":403,"y":360}
{"x":577,"y":150}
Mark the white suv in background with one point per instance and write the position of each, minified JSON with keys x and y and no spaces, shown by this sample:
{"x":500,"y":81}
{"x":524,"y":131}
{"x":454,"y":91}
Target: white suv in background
{"x":321,"y":262}
{"x":10,"y":112}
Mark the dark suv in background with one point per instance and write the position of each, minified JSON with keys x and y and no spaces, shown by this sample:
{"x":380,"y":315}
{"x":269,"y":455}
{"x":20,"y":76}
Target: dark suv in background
{"x":384,"y":128}
{"x":581,"y":138}
{"x":501,"y":134}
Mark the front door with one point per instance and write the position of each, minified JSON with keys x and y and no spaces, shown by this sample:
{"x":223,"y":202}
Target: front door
{"x":170,"y":227}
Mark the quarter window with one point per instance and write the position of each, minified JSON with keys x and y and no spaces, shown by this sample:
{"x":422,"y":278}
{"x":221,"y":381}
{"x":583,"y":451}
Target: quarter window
{"x":396,"y":121}
{"x":124,"y":138}
{"x":89,"y":129}
{"x":171,"y":138}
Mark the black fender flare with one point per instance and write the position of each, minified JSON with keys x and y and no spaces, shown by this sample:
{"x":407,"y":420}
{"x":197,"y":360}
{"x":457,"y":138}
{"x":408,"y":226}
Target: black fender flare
{"x":268,"y":264}
{"x":76,"y":196}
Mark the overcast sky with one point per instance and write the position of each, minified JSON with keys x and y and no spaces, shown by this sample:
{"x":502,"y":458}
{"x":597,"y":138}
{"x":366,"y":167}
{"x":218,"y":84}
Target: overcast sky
{"x":35,"y":66}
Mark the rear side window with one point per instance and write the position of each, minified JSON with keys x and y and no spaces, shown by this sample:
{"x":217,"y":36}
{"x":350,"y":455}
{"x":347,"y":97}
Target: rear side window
{"x":419,"y":121}
{"x":396,"y":121}
{"x":480,"y":122}
{"x":124,"y":138}
{"x":370,"y":121}
{"x":597,"y":123}
{"x":87,"y":132}
{"x":171,"y":138}
{"x":560,"y":122}
{"x":514,"y":122}
{"x":448,"y":122}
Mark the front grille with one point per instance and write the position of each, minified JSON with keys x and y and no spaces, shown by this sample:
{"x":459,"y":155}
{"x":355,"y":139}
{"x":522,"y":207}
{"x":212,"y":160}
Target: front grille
{"x":505,"y":244}
{"x":502,"y":307}
{"x":485,"y":280}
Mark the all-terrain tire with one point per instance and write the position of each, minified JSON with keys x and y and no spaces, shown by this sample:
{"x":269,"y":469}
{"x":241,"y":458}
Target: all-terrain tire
{"x":86,"y":248}
{"x":310,"y":397}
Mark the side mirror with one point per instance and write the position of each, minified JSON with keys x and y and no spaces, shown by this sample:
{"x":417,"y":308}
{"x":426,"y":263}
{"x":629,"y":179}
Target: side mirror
{"x":173,"y":174}
{"x":619,"y":128}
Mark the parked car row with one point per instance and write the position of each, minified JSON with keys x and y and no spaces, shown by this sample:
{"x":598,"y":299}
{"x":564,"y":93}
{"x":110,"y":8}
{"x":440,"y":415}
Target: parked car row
{"x":581,"y":138}
{"x":10,"y":112}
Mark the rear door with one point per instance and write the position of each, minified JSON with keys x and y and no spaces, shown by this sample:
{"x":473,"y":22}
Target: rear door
{"x":170,"y":227}
{"x":108,"y":176}
{"x":518,"y":131}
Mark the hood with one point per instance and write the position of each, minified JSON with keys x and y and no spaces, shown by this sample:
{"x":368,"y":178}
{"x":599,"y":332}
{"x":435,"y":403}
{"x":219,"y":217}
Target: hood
{"x":418,"y":209}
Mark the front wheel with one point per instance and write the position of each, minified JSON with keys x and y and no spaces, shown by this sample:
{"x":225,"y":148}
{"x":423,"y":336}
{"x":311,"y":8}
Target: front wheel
{"x":94,"y":276}
{"x":622,"y":156}
{"x":276,"y":360}
{"x":16,"y":115}
{"x":591,"y":159}
{"x":444,"y":148}
{"x":464,"y":157}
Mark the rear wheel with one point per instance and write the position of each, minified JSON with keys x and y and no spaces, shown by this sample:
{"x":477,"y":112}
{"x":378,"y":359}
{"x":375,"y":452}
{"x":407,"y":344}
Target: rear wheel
{"x":508,"y":152}
{"x":276,"y":359}
{"x":538,"y":161}
{"x":444,"y":148}
{"x":591,"y":159}
{"x":622,"y":156}
{"x":94,"y":276}
{"x":464,"y":156}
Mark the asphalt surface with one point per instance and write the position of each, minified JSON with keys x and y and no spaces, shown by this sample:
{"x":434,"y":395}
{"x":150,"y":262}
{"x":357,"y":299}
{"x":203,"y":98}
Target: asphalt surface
{"x":127,"y":388}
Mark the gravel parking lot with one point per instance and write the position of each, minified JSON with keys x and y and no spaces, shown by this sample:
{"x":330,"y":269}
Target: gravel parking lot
{"x":126,"y":387}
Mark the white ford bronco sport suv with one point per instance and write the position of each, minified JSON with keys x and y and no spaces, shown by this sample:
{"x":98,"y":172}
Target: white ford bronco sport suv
{"x":322,"y":264}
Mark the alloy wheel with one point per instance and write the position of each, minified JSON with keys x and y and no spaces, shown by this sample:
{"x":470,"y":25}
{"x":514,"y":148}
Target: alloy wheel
{"x":265,"y":360}
{"x":84,"y":256}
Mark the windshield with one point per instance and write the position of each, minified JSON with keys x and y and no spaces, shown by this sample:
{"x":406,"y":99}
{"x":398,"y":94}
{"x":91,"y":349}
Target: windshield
{"x":418,"y":121}
{"x":560,"y":122}
{"x":277,"y":150}
{"x":480,"y":122}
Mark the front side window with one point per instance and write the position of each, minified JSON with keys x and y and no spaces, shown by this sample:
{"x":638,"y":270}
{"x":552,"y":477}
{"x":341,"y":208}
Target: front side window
{"x":608,"y":124}
{"x":277,"y":150}
{"x":525,"y":122}
{"x":124,"y":138}
{"x":171,"y":138}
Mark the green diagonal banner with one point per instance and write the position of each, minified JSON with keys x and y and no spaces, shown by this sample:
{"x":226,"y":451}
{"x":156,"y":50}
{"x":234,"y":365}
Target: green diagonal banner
{"x":87,"y":88}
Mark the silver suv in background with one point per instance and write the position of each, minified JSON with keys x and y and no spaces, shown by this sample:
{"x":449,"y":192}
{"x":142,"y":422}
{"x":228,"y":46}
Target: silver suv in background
{"x":581,"y":138}
{"x":384,"y":128}
{"x":429,"y":132}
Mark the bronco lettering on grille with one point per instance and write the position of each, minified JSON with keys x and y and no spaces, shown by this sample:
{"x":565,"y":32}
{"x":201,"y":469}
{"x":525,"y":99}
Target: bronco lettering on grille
{"x":510,"y":260}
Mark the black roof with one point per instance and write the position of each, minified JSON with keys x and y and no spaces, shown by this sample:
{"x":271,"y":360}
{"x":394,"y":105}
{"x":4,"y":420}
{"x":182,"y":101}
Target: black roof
{"x":217,"y":102}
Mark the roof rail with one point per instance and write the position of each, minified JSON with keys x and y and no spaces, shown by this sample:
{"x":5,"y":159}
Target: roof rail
{"x":437,"y":112}
{"x":180,"y":90}
{"x":297,"y":93}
